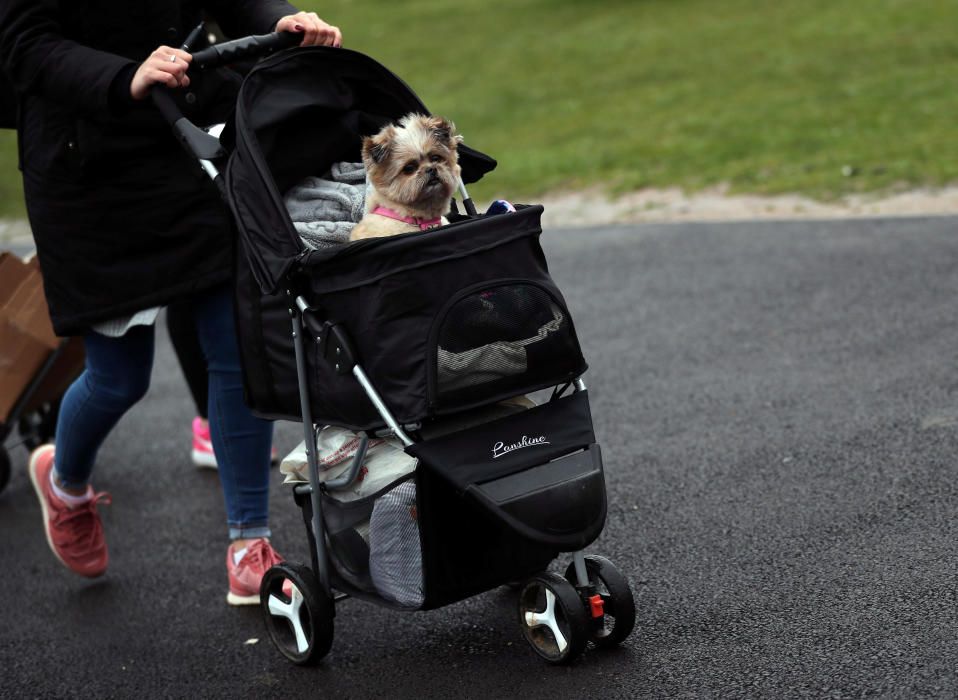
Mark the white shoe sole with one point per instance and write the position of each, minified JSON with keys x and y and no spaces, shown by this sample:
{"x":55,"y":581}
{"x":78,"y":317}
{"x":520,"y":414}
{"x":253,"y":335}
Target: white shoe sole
{"x":203,"y":460}
{"x":234,"y":599}
{"x":32,"y":469}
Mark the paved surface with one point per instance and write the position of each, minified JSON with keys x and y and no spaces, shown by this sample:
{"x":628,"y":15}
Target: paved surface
{"x":778,"y":409}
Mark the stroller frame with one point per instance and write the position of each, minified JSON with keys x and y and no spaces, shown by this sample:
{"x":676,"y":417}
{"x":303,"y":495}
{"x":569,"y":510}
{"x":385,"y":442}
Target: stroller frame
{"x":298,"y":311}
{"x":558,"y":616}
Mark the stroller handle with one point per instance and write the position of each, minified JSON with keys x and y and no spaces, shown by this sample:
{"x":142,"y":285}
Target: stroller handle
{"x":254,"y":46}
{"x":197,"y":142}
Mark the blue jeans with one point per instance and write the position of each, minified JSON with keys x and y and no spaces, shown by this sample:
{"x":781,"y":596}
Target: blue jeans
{"x":117,"y":375}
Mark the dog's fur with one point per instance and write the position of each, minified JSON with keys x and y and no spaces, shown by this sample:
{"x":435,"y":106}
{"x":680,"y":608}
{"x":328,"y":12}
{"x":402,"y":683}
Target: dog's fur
{"x":413,"y":169}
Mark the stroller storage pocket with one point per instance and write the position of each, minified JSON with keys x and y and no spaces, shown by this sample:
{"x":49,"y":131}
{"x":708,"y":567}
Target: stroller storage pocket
{"x":375,"y":546}
{"x":500,"y":500}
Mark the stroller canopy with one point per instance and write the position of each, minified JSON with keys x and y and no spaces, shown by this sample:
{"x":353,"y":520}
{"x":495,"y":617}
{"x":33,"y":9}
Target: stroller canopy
{"x":298,"y":113}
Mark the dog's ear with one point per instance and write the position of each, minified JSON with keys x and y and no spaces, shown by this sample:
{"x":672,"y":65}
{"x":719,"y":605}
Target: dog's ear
{"x":377,"y":148}
{"x":444,"y":131}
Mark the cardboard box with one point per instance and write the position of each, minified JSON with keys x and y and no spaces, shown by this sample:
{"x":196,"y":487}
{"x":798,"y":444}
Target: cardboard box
{"x":26,"y":335}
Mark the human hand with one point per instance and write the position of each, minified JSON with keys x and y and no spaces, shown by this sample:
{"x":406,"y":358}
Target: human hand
{"x":315,"y":31}
{"x":165,"y":66}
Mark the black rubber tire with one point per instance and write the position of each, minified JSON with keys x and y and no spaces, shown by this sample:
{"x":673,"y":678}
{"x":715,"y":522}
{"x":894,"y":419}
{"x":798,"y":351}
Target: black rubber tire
{"x":4,"y":469}
{"x":618,"y":603}
{"x":315,"y":614}
{"x":569,"y":614}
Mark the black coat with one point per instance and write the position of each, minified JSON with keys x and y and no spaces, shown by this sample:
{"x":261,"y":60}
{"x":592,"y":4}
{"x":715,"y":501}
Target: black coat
{"x":123,"y":219}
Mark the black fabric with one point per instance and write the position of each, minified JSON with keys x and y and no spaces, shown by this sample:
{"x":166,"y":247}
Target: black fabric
{"x":560,"y":504}
{"x":120,"y":221}
{"x":560,"y":501}
{"x":298,"y":113}
{"x":181,"y":324}
{"x":389,"y":299}
{"x":8,"y":103}
{"x":466,"y":549}
{"x":266,"y":348}
{"x":482,"y":453}
{"x":473,"y":542}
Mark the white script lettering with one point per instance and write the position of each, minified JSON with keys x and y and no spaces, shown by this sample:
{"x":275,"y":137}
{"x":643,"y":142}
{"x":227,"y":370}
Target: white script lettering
{"x":500,"y":449}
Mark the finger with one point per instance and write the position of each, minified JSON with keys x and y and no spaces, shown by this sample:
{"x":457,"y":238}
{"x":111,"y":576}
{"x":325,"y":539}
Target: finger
{"x":333,"y":37}
{"x":165,"y":53}
{"x":310,"y":35}
{"x":177,"y":76}
{"x":176,"y":69}
{"x":317,"y":28}
{"x":157,"y":76}
{"x":290,"y":23}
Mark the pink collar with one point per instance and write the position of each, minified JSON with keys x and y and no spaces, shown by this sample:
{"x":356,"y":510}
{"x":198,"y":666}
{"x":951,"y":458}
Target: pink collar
{"x":423,"y":224}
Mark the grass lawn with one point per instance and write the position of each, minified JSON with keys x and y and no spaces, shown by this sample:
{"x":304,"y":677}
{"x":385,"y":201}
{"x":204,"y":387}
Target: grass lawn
{"x":820,"y":97}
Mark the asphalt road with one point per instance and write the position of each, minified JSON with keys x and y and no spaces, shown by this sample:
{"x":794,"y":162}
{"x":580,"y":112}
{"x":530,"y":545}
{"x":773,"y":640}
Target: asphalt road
{"x":778,"y":409}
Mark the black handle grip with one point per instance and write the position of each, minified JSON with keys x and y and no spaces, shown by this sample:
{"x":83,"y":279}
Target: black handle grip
{"x":247,"y":47}
{"x":163,"y":100}
{"x":197,"y":142}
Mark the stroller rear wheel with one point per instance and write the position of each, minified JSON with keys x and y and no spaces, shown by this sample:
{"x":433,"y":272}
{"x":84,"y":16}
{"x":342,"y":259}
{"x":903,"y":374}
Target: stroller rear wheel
{"x":553,"y":618}
{"x":618,"y":603}
{"x":298,"y":613}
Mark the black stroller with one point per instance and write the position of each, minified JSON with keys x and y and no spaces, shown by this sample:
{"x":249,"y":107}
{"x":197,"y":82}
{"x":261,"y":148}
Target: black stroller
{"x":424,"y":338}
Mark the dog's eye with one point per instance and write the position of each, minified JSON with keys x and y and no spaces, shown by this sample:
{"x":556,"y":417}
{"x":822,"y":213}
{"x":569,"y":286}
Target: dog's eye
{"x":434,"y":158}
{"x":410,"y":168}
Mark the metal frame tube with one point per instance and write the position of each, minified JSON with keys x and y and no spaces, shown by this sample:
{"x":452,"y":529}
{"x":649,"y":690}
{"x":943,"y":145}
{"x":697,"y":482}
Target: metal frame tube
{"x":466,"y":199}
{"x":380,"y":405}
{"x":319,"y":526}
{"x":350,"y":476}
{"x":209,"y":169}
{"x":581,"y":573}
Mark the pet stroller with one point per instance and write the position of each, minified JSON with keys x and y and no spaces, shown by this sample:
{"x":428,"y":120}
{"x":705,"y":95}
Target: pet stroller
{"x":422,"y":338}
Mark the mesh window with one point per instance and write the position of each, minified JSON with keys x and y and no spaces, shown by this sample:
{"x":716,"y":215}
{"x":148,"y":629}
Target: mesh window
{"x":500,"y":340}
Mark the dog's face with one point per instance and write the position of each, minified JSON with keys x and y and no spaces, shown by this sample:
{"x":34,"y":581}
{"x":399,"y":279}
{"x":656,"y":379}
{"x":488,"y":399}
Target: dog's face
{"x":415,"y":164}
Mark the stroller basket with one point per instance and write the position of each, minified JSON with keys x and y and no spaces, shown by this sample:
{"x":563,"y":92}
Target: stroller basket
{"x":442,"y":321}
{"x":486,"y":505}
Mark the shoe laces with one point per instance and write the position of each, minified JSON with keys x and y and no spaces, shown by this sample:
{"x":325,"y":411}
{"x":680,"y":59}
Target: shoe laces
{"x":260,"y":556}
{"x":81,"y":524}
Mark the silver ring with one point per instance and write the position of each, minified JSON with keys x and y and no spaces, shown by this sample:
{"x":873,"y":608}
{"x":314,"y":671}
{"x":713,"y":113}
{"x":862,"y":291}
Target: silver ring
{"x":173,"y":58}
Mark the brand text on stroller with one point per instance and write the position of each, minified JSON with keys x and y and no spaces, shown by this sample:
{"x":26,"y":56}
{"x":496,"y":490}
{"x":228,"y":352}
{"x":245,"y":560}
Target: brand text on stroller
{"x":500,"y":449}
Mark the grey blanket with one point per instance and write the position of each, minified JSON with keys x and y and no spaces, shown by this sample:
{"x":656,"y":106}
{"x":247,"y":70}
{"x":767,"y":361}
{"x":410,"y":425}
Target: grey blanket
{"x":325,"y":209}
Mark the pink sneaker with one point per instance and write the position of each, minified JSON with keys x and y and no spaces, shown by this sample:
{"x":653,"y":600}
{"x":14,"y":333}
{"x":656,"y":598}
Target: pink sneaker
{"x":74,"y":533}
{"x":246,"y":576}
{"x":202,"y":452}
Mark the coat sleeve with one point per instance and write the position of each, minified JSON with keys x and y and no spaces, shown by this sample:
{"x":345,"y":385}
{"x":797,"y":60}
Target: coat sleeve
{"x":38,"y":58}
{"x":242,"y":17}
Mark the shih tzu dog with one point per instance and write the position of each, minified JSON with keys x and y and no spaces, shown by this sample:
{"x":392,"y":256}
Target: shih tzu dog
{"x":413,"y":170}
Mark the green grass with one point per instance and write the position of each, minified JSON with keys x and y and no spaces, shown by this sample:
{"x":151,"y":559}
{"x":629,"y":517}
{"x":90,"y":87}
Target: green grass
{"x":769,"y":97}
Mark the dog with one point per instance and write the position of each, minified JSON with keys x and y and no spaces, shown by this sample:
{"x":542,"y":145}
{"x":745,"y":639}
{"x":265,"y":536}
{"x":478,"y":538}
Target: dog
{"x":413,"y":170}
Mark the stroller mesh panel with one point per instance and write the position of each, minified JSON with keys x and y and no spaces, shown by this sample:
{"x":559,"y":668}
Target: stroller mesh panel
{"x":497,"y":337}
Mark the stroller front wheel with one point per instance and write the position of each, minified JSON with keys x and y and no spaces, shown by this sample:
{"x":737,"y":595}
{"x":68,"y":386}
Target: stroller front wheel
{"x":552,"y":618}
{"x":618,"y":603}
{"x":298,"y":613}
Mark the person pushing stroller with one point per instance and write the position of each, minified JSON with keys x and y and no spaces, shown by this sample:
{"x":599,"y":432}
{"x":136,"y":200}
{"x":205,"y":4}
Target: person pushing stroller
{"x":122,"y":227}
